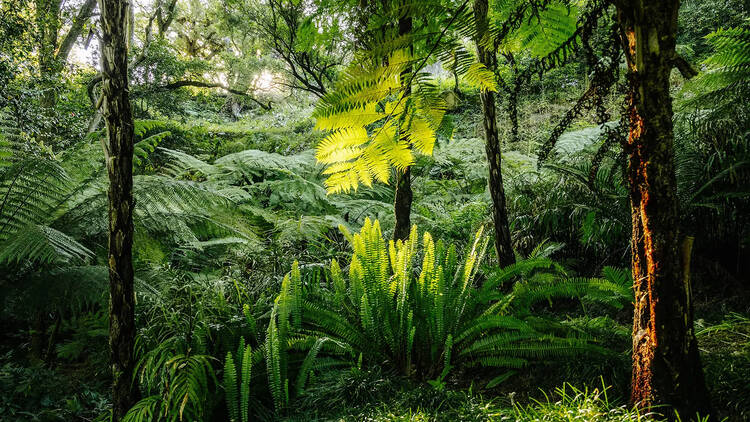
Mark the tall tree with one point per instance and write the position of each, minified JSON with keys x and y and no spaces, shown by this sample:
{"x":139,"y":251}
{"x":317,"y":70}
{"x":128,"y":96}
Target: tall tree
{"x":118,"y":150}
{"x":54,"y":51}
{"x":666,"y":364}
{"x":403,"y":194}
{"x":487,"y":57}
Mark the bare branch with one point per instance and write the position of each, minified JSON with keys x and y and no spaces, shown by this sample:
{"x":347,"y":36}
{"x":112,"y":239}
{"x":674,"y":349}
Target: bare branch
{"x":84,"y":13}
{"x":200,"y":84}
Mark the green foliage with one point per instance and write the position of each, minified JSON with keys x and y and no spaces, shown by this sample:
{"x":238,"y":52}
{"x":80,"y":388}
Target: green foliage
{"x":283,"y":195}
{"x":32,"y":187}
{"x":405,"y":402}
{"x":424,"y":323}
{"x":540,"y":34}
{"x":726,"y":77}
{"x":377,"y":117}
{"x":569,"y":403}
{"x":237,"y":382}
{"x":223,"y":207}
{"x":87,"y":330}
{"x":699,"y":18}
{"x":727,"y":363}
{"x":148,"y":133}
{"x":30,"y":393}
{"x":178,"y":384}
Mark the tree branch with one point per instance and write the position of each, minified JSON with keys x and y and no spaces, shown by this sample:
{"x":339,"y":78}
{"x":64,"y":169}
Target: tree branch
{"x":685,"y":68}
{"x":84,"y":13}
{"x":200,"y":84}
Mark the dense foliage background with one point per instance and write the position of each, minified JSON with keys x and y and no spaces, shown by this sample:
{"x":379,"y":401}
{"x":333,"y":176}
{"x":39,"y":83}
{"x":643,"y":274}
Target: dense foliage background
{"x":266,"y":291}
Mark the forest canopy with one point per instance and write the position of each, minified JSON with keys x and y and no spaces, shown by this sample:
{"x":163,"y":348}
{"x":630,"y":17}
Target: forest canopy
{"x":239,"y":210}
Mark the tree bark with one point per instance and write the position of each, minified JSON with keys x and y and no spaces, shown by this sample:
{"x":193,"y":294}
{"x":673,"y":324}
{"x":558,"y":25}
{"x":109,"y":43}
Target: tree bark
{"x":487,"y":57}
{"x":119,"y":156}
{"x":402,"y":205}
{"x":404,"y":194}
{"x":666,"y":363}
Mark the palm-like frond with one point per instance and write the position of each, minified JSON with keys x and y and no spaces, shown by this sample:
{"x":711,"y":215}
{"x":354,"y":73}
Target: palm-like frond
{"x":42,"y":244}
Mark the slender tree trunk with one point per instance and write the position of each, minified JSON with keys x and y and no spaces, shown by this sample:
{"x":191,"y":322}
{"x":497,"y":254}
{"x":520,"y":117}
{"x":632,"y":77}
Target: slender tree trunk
{"x":48,"y":25}
{"x":38,"y":330}
{"x":487,"y":57}
{"x":119,"y":155}
{"x":404,"y":194}
{"x":666,"y":364}
{"x":402,"y":204}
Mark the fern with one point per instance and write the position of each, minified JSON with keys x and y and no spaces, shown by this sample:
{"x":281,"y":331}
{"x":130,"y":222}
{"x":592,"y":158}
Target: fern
{"x":179,"y":382}
{"x":231,"y":392}
{"x":382,"y":111}
{"x":145,"y":410}
{"x":423,"y":325}
{"x":237,"y":383}
{"x":42,"y":244}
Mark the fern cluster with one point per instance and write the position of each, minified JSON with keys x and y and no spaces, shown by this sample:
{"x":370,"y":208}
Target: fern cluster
{"x":284,"y":195}
{"x":237,"y":382}
{"x":423,"y":317}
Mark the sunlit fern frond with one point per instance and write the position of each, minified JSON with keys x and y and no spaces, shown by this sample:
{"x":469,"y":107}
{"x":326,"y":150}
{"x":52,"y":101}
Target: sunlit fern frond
{"x":477,"y":75}
{"x":382,"y":111}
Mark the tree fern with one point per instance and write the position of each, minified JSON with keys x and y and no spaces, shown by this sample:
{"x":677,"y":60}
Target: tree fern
{"x":383,"y":109}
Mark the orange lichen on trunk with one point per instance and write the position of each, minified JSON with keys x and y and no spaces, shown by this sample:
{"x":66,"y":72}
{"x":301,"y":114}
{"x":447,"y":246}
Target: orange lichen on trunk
{"x":631,"y":37}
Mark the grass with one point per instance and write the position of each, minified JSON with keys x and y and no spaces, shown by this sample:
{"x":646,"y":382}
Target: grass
{"x":725,"y":351}
{"x":424,"y":403}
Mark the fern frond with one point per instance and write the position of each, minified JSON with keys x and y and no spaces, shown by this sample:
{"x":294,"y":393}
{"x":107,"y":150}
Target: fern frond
{"x":42,"y":244}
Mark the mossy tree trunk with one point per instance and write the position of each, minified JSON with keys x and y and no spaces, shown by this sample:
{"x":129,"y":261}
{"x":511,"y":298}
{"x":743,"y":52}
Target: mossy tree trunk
{"x":119,"y":156}
{"x":404,"y":194}
{"x":666,"y":364}
{"x":487,"y":57}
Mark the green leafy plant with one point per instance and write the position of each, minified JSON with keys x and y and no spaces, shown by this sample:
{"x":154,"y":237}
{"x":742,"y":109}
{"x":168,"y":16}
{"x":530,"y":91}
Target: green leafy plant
{"x":237,"y":382}
{"x":179,"y":384}
{"x":423,"y":320}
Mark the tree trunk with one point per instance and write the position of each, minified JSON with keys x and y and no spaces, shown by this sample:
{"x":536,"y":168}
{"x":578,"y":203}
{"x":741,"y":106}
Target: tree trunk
{"x":119,"y":155}
{"x":48,"y":24}
{"x":487,"y":57}
{"x":38,"y":330}
{"x":666,"y":364}
{"x":402,"y":205}
{"x":404,"y":194}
